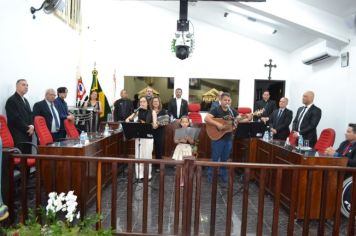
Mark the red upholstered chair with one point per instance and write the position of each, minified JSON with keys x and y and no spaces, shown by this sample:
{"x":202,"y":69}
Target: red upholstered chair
{"x":292,"y":140}
{"x":244,"y":110}
{"x":43,"y":134}
{"x":194,"y":114}
{"x":326,"y":139}
{"x":71,"y":130}
{"x":8,"y":142}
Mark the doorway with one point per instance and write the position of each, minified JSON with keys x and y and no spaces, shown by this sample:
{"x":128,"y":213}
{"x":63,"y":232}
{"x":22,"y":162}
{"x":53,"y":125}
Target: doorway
{"x":275,"y":87}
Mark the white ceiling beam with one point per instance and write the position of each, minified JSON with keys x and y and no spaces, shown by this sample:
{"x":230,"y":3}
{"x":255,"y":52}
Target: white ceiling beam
{"x":296,"y":14}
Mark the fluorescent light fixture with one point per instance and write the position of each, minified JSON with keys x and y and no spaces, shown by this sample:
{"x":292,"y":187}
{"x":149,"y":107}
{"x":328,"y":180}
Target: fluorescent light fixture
{"x":250,"y":23}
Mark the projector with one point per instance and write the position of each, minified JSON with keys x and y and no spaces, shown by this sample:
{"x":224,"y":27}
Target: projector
{"x":183,"y":44}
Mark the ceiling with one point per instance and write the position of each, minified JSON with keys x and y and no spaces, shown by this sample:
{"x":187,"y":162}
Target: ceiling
{"x":287,"y":38}
{"x":341,"y":8}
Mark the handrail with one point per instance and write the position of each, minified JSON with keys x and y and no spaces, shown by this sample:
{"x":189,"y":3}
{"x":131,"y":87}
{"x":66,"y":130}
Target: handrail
{"x":192,"y":170}
{"x":196,"y":162}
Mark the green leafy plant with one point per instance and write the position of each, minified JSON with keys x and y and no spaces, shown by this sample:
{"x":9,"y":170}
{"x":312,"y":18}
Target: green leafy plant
{"x":60,"y":217}
{"x":173,"y":45}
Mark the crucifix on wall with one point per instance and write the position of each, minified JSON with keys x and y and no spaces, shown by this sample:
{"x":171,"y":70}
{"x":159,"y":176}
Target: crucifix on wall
{"x":270,"y":68}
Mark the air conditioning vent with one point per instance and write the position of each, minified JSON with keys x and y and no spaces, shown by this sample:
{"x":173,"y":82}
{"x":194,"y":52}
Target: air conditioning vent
{"x":323,"y":57}
{"x":318,"y":53}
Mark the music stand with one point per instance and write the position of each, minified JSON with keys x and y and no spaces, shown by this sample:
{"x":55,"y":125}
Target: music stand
{"x":137,"y":130}
{"x":257,"y":129}
{"x":250,"y":130}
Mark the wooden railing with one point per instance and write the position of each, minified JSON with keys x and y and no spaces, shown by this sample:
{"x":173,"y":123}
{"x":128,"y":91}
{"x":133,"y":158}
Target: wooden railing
{"x":192,"y":192}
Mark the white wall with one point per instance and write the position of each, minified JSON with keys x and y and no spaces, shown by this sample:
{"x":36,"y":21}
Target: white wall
{"x":135,"y":39}
{"x":44,"y":51}
{"x":334,"y":89}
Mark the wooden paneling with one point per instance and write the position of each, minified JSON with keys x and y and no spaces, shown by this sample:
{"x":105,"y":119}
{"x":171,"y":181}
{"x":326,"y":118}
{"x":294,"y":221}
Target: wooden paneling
{"x":83,"y":174}
{"x":273,"y":154}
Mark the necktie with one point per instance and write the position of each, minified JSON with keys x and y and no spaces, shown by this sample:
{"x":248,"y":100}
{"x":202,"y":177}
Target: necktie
{"x":55,"y":117}
{"x":300,"y":118}
{"x":346,"y":149}
{"x":279,"y":114}
{"x":265,"y":113}
{"x":26,"y":106}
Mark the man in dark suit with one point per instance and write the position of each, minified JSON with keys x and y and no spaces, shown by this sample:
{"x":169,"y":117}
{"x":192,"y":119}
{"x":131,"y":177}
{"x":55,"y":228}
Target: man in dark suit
{"x":178,"y":107}
{"x":47,"y":109}
{"x":62,"y":109}
{"x":123,"y":107}
{"x":280,"y":120}
{"x":19,"y":117}
{"x":266,"y":104}
{"x":307,"y":119}
{"x":347,"y":148}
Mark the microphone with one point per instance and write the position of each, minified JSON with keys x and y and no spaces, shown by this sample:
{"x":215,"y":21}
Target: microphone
{"x":85,"y":99}
{"x":137,"y":109}
{"x":230,"y":111}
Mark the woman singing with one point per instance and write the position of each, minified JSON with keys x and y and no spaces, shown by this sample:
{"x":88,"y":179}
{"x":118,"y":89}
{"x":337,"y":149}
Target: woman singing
{"x":143,"y":146}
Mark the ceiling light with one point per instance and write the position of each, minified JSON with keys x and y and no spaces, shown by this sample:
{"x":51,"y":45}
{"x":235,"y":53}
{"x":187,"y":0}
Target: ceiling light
{"x":250,"y":23}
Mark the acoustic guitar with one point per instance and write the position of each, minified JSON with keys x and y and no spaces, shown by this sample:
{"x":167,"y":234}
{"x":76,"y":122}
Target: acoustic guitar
{"x":228,"y":125}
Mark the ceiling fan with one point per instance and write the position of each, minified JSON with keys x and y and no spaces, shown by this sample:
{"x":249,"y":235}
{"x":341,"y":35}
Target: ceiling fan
{"x":48,"y":6}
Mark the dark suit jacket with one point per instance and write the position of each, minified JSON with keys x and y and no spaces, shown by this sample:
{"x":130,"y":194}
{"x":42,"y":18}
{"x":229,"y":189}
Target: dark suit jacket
{"x":172,"y":108}
{"x":281,"y":124}
{"x":269,"y":107}
{"x":351,"y":154}
{"x":309,"y":123}
{"x":123,"y":108}
{"x":41,"y":109}
{"x":19,"y":117}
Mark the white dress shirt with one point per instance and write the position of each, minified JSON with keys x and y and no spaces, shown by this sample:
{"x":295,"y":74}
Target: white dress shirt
{"x":300,"y":120}
{"x":179,"y":103}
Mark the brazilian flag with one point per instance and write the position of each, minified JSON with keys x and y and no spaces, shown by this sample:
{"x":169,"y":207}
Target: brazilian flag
{"x":95,"y":85}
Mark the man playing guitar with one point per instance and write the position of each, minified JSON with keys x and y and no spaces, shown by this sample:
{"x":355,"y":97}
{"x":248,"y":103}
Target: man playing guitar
{"x":221,"y":148}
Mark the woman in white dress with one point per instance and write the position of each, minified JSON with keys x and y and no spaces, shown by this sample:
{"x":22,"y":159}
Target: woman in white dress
{"x":143,"y":146}
{"x":183,"y":147}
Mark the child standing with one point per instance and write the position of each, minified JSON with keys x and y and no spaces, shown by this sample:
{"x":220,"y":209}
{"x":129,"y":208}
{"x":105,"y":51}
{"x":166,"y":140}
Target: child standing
{"x":183,"y":147}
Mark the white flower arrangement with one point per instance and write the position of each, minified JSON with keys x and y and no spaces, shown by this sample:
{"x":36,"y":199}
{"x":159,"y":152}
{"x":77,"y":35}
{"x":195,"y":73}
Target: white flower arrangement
{"x":63,"y":203}
{"x":57,"y":206}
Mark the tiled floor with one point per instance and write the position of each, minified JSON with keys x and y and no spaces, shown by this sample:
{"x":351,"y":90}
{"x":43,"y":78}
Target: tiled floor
{"x":204,"y":209}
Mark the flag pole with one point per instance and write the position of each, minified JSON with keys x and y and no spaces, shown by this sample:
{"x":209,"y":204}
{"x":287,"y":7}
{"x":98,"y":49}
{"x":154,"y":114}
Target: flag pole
{"x":114,"y":79}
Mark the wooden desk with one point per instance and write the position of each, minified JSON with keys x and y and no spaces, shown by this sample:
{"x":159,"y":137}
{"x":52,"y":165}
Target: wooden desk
{"x":275,"y":153}
{"x":79,"y":176}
